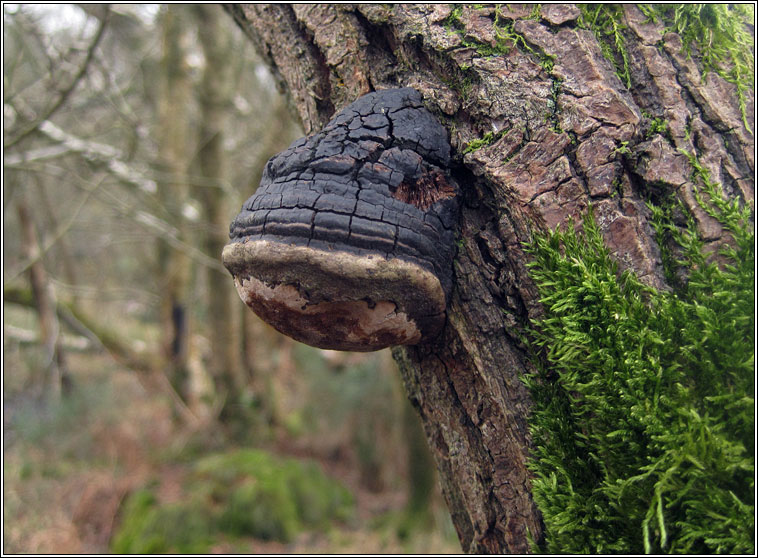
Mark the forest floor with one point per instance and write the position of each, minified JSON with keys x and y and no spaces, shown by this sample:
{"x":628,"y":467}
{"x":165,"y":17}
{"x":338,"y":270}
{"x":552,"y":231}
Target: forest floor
{"x":68,"y":467}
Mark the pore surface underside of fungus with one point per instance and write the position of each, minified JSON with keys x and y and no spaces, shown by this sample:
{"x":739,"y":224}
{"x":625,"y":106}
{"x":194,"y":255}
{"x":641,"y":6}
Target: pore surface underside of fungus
{"x":348,"y":242}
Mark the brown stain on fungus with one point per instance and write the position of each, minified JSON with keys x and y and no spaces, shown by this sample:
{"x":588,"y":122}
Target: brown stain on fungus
{"x":426,"y":191}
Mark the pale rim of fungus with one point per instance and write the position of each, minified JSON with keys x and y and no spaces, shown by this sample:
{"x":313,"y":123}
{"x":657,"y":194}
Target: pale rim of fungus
{"x":337,"y":299}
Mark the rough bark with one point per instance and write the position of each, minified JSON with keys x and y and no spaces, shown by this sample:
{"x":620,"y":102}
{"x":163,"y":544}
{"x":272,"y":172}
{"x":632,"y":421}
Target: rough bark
{"x":567,"y":134}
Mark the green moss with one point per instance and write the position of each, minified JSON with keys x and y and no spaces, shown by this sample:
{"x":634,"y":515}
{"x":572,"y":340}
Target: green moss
{"x":488,"y":139}
{"x":151,"y":529}
{"x":622,"y":149}
{"x":616,"y":187}
{"x":453,"y":21}
{"x":643,"y":404}
{"x":719,"y":32}
{"x":552,"y":117}
{"x":605,"y":21}
{"x":299,"y":492}
{"x":506,"y":36}
{"x":657,"y":126}
{"x":247,"y":493}
{"x":262,"y":510}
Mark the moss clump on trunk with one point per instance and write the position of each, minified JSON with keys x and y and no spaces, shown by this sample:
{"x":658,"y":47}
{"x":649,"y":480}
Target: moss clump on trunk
{"x":718,"y":32}
{"x":643,"y":418}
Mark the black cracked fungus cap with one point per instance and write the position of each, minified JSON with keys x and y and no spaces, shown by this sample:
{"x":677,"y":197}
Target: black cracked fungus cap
{"x":348,"y":242}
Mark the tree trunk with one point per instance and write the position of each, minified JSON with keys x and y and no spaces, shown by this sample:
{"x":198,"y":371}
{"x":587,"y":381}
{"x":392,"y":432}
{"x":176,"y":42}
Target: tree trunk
{"x":558,"y":131}
{"x":173,"y":162}
{"x":63,"y":249}
{"x":57,"y":381}
{"x":257,"y":339}
{"x":217,"y":88}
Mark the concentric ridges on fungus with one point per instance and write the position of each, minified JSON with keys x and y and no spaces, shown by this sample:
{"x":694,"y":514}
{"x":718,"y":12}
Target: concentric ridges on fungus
{"x":373,"y":183}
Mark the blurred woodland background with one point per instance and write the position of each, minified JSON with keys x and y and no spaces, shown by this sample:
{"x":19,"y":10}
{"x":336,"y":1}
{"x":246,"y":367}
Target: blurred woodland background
{"x":145,"y":408}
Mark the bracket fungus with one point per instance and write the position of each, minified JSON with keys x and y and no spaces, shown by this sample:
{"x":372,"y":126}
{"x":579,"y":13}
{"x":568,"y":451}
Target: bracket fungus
{"x":348,"y":242}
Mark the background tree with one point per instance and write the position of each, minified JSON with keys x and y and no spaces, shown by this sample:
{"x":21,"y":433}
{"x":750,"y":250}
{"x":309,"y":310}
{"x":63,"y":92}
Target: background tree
{"x":100,"y":128}
{"x":27,"y":120}
{"x":174,"y":144}
{"x":550,"y":109}
{"x":116,"y":204}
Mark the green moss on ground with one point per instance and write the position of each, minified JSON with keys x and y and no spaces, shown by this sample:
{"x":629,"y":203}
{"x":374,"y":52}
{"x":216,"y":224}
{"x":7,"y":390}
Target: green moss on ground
{"x":246,"y":493}
{"x":150,"y":528}
{"x":643,"y":419}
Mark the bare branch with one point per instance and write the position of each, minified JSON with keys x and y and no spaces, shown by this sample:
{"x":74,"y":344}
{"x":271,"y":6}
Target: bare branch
{"x":59,"y":233}
{"x":63,"y":96}
{"x":93,"y":151}
{"x":27,"y":336}
{"x":36,"y":155}
{"x":112,"y":158}
{"x":171,"y":235}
